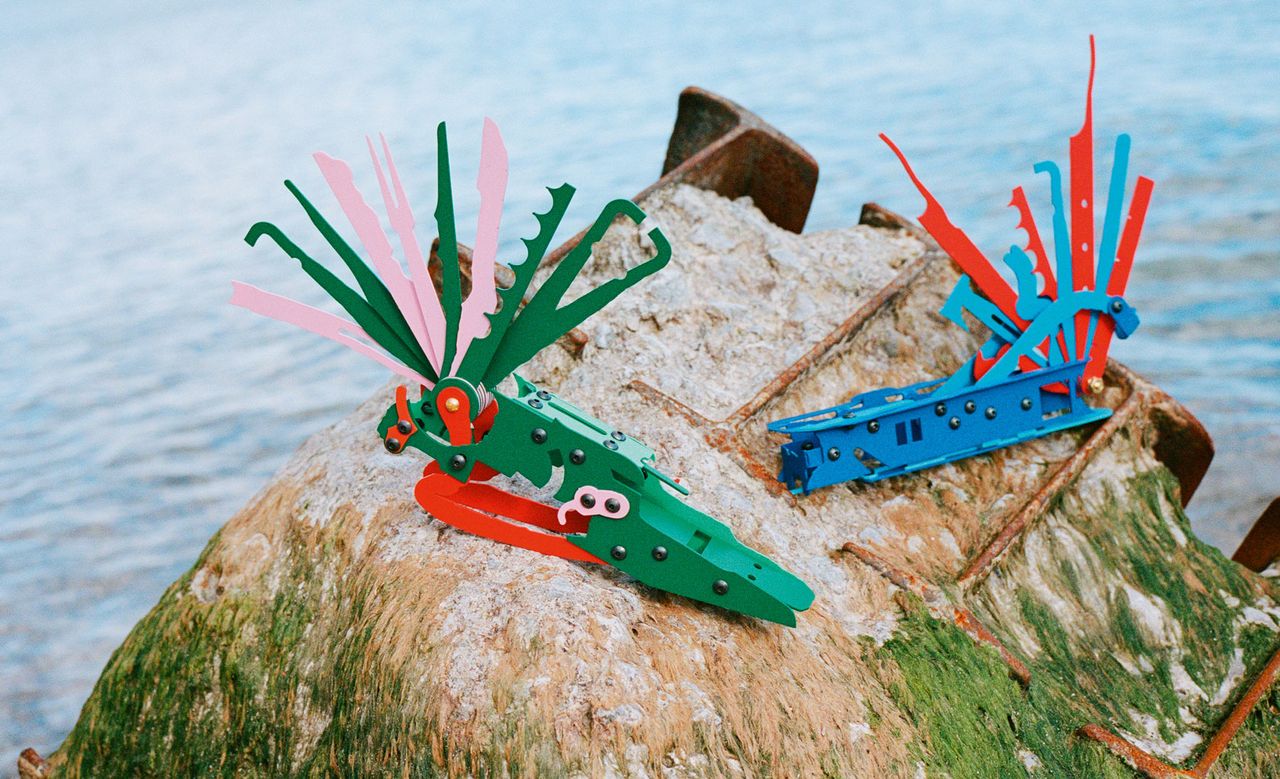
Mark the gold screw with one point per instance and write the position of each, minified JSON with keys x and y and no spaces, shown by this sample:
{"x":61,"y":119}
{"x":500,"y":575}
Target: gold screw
{"x":1096,"y":385}
{"x":451,"y":404}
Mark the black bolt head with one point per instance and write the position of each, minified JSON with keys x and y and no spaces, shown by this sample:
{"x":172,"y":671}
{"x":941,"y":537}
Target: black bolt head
{"x":807,"y":445}
{"x":588,"y":500}
{"x":618,"y":435}
{"x":940,"y":409}
{"x":954,"y":423}
{"x":544,"y":394}
{"x":539,"y":435}
{"x":872,"y":426}
{"x":720,"y":586}
{"x":618,"y":553}
{"x":833,"y":453}
{"x":970,"y":407}
{"x":659,"y":553}
{"x":392,"y":445}
{"x":1026,"y":404}
{"x":1117,"y":306}
{"x":535,"y":402}
{"x":612,"y":505}
{"x":990,"y":412}
{"x":577,"y":457}
{"x":458,"y":462}
{"x":404,"y":426}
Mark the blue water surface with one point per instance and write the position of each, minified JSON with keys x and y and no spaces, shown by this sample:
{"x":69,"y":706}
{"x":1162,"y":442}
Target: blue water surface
{"x":138,"y":141}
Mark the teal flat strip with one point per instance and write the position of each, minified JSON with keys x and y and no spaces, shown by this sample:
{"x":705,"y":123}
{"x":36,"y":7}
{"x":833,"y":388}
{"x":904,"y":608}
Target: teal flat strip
{"x":1061,"y":237}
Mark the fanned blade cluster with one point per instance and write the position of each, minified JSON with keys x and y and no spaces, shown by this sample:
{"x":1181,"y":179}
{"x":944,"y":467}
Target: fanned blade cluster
{"x":1062,"y":310}
{"x":399,"y":319}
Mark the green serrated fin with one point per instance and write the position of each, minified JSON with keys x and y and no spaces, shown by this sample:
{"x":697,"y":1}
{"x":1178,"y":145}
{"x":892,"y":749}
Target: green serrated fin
{"x":451,"y":288}
{"x":376,"y":293}
{"x":364,"y":314}
{"x":542,"y":320}
{"x":475,"y":365}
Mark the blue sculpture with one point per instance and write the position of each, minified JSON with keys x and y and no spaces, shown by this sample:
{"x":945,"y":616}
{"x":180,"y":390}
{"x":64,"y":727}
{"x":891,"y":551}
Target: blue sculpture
{"x":1047,"y":349}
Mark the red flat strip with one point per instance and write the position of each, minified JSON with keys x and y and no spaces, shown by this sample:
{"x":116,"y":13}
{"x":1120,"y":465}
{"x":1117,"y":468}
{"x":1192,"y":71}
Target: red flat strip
{"x":437,"y":494}
{"x":492,"y":500}
{"x":1120,"y":275}
{"x":1082,"y":250}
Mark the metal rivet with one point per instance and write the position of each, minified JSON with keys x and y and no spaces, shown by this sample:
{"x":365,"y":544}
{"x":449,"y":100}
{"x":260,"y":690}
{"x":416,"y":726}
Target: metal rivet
{"x":618,"y":435}
{"x":990,"y":412}
{"x":1026,"y":404}
{"x":618,"y":553}
{"x":535,"y":402}
{"x":451,"y":404}
{"x":659,"y":553}
{"x":833,"y":453}
{"x":458,"y":462}
{"x":577,"y":457}
{"x":539,"y":435}
{"x":970,"y":407}
{"x":720,"y":586}
{"x":940,"y":409}
{"x":807,"y":445}
{"x":544,"y":394}
{"x":873,"y":425}
{"x":611,"y":444}
{"x":612,"y":505}
{"x":404,"y":426}
{"x":587,"y":500}
{"x":954,"y":423}
{"x":1117,"y":306}
{"x":392,"y":445}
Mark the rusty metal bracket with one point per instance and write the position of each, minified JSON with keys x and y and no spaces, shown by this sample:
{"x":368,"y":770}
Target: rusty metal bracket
{"x":1261,"y":546}
{"x":719,"y":145}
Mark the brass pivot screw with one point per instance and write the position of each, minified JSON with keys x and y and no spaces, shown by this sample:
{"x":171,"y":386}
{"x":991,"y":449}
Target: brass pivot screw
{"x":1096,"y":385}
{"x":451,"y":404}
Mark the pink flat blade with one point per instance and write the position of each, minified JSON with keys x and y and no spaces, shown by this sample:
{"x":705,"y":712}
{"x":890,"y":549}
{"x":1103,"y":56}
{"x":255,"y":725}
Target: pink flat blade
{"x":483,"y":299}
{"x":369,"y":229}
{"x":322,"y":323}
{"x":400,"y":214}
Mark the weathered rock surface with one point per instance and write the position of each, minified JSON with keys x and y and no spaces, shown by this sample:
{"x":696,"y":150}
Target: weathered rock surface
{"x":332,"y":627}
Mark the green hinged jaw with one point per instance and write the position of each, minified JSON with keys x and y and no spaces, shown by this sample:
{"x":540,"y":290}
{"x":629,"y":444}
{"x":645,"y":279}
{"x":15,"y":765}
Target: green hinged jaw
{"x":661,"y":541}
{"x":613,"y":505}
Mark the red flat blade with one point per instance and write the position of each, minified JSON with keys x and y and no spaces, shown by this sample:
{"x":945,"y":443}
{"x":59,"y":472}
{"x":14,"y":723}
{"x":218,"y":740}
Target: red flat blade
{"x":961,"y":248}
{"x":1083,"y":263}
{"x":1119,"y":275}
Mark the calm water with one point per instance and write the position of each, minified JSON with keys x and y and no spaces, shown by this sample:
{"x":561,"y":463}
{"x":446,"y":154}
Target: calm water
{"x":138,"y":141}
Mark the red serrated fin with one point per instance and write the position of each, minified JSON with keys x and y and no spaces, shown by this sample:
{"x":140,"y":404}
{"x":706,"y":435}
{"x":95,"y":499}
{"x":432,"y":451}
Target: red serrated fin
{"x":960,"y":247}
{"x":1082,"y":249}
{"x":1119,"y":275}
{"x":1027,"y":223}
{"x":1035,"y":245}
